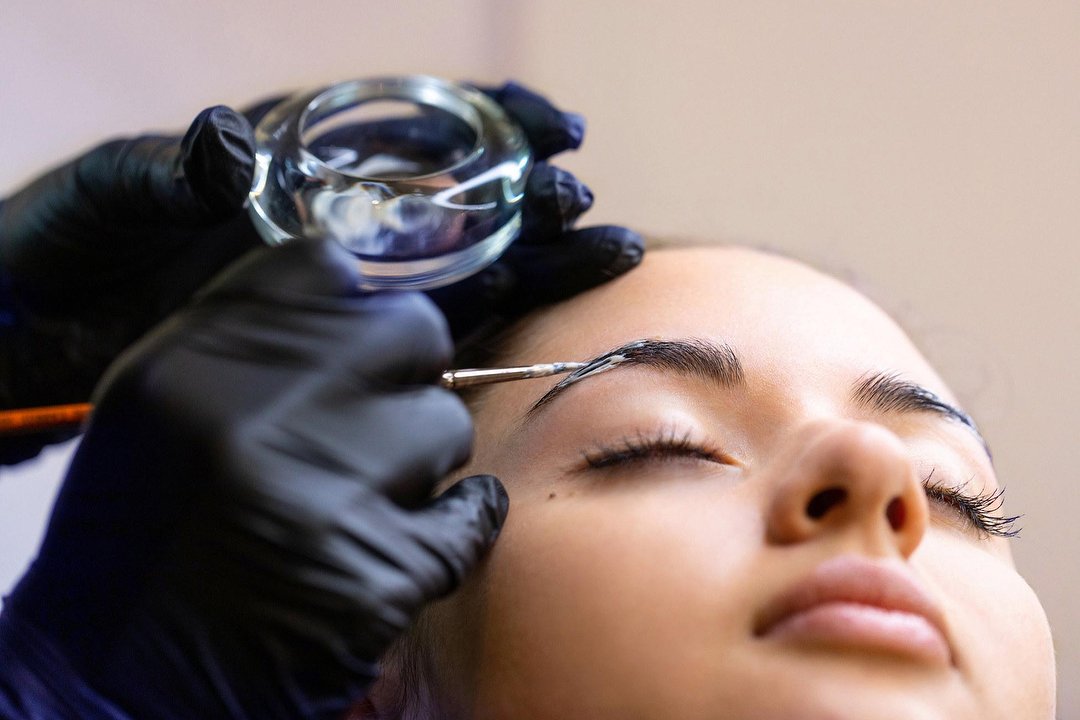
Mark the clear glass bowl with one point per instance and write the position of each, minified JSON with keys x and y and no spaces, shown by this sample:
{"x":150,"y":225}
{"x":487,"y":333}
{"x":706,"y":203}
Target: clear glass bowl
{"x":421,"y":179}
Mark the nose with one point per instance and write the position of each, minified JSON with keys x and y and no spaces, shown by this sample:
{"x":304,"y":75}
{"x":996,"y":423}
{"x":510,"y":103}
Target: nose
{"x":847,"y":477}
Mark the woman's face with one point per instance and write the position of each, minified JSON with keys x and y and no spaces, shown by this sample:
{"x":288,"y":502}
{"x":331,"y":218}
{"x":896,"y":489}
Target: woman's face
{"x":737,"y":527}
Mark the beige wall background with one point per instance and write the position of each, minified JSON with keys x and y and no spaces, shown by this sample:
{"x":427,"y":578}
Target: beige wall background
{"x":930,"y":149}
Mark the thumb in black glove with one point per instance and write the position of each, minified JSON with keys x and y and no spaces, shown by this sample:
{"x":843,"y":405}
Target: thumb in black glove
{"x":247,"y":525}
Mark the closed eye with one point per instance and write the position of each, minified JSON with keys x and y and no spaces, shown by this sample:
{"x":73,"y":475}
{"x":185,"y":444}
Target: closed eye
{"x":666,"y":445}
{"x":980,"y":512}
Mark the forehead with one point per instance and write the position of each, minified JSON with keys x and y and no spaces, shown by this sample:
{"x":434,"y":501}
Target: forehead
{"x":788,"y":323}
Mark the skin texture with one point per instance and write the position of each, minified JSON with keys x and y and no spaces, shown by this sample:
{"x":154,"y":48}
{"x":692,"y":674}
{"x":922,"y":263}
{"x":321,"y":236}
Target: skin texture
{"x":638,"y":591}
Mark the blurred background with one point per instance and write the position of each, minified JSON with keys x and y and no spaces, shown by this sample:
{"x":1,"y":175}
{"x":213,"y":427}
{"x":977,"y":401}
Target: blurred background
{"x":930,"y":151}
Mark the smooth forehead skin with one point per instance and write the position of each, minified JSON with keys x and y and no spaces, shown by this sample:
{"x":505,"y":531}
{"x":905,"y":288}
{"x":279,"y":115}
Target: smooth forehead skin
{"x":634,"y":591}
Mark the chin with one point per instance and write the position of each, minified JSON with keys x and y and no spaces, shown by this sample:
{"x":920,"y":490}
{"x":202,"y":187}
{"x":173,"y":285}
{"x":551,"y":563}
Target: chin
{"x":848,"y":686}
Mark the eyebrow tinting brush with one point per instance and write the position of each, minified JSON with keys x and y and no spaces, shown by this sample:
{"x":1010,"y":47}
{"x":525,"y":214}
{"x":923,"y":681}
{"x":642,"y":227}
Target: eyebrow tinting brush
{"x":457,"y":379}
{"x":56,"y":417}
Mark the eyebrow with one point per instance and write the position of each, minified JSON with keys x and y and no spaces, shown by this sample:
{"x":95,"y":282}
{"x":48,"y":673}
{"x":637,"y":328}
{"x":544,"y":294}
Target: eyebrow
{"x":884,"y":392}
{"x":690,"y":358}
{"x":888,"y":393}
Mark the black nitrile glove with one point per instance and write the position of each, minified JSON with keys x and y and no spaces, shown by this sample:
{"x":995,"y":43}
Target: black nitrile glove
{"x":246,"y":525}
{"x":97,"y":251}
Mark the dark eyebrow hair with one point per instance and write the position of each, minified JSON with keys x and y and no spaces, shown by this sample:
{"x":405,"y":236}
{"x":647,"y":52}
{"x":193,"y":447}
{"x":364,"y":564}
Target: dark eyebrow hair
{"x":886,"y":392}
{"x":692,"y":356}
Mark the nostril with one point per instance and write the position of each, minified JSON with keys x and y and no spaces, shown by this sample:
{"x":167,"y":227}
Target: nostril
{"x":824,"y":501}
{"x":896,"y":512}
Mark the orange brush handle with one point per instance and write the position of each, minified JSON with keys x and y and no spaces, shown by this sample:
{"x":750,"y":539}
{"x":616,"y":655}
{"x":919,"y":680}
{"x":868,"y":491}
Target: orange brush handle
{"x":51,"y":417}
{"x":56,"y":417}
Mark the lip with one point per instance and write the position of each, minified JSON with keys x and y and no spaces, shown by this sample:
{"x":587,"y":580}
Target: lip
{"x":851,"y":602}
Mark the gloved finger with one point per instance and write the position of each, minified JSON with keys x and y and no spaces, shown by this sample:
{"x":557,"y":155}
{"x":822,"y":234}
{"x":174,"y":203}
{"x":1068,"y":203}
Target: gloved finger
{"x":263,"y":321}
{"x":306,"y":294}
{"x":401,"y":338}
{"x":474,"y":300}
{"x":125,"y":185}
{"x":217,"y":155}
{"x":300,"y":272}
{"x":548,"y":129}
{"x":310,"y":289}
{"x":198,"y":179}
{"x":399,"y":443}
{"x":580,"y":260}
{"x":458,"y":527}
{"x":554,"y":200}
{"x":527,"y":276}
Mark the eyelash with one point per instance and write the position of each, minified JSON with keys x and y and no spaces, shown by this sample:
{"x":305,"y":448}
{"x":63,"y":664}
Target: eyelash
{"x":666,"y":445}
{"x":979,"y":511}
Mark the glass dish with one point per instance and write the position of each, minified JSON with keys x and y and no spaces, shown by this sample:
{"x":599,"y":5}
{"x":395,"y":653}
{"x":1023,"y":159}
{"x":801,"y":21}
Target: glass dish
{"x":421,"y":179}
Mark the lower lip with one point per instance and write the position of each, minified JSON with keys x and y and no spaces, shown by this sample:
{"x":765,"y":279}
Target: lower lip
{"x":865,"y":627}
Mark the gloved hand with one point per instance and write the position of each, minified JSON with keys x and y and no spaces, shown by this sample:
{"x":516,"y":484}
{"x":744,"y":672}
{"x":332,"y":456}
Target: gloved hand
{"x":246,"y":525}
{"x":98,"y":250}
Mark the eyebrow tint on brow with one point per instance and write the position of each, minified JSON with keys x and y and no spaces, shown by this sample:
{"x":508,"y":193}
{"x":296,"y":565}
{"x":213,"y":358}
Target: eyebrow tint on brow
{"x":695,"y":357}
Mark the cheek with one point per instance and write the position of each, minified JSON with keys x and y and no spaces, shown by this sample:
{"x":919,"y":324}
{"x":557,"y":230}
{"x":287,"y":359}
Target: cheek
{"x":998,"y":625}
{"x":591,"y":595}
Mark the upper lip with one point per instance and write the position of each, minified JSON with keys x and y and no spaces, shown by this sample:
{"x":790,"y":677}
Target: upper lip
{"x":853,"y":579}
